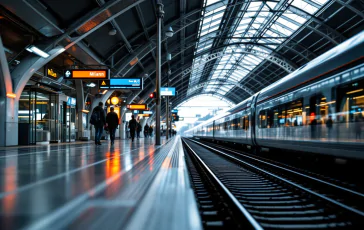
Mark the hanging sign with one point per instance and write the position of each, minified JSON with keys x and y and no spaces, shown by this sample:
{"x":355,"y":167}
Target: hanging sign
{"x":122,"y":83}
{"x":137,"y":106}
{"x":71,"y":101}
{"x":85,"y":74}
{"x":168,"y":91}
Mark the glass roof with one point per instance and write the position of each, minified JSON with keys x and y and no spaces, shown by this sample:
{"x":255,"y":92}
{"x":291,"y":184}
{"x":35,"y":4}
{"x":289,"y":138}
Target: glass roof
{"x":258,"y":26}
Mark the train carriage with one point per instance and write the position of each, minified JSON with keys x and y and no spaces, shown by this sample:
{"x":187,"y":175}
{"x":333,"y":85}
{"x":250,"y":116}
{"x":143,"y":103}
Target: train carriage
{"x":319,"y":108}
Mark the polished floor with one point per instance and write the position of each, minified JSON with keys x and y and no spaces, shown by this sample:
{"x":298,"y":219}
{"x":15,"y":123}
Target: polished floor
{"x":77,"y":186}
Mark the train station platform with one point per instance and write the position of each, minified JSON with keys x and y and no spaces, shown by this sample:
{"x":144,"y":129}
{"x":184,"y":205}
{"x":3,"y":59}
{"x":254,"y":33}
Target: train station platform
{"x":131,"y":185}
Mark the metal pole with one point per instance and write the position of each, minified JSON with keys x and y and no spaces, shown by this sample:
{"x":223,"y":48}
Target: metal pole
{"x":160,"y":15}
{"x":167,"y":114}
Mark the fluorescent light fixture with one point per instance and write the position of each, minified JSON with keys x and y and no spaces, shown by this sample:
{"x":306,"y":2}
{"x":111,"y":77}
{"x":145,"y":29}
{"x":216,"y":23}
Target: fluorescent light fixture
{"x":36,"y":50}
{"x":134,"y":61}
{"x":85,"y":111}
{"x":105,"y":91}
{"x":169,"y":32}
{"x":91,"y":85}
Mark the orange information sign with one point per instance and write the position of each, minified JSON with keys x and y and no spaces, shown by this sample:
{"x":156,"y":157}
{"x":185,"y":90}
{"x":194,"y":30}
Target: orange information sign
{"x":97,"y":74}
{"x":137,"y":106}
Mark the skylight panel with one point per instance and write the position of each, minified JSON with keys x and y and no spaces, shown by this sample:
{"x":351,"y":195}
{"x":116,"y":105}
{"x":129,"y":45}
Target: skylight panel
{"x":259,"y":19}
{"x":281,"y":29}
{"x":321,"y":2}
{"x":295,"y":17}
{"x":210,"y":2}
{"x":218,"y":16}
{"x":272,"y":5}
{"x":226,"y":88}
{"x":215,"y":23}
{"x":287,"y":23}
{"x":304,"y":6}
{"x":272,"y":46}
{"x":254,"y":5}
{"x":251,"y":60}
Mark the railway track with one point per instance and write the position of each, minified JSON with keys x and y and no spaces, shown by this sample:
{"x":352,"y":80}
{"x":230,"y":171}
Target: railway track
{"x":268,"y":197}
{"x":348,"y":182}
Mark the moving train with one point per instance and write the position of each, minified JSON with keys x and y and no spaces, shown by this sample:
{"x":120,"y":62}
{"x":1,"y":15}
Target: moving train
{"x":318,"y":108}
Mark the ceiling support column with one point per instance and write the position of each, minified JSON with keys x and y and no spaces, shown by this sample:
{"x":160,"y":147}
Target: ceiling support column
{"x":83,"y":133}
{"x":8,"y":106}
{"x":160,"y":15}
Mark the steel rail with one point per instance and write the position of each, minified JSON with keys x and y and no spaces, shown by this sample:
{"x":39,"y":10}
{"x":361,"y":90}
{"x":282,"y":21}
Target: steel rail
{"x":254,"y":224}
{"x":323,"y":197}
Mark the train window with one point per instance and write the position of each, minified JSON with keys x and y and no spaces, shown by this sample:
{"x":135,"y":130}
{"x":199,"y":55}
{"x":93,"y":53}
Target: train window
{"x":351,"y":102}
{"x":246,"y":121}
{"x":266,"y":118}
{"x":293,"y":112}
{"x":270,"y":117}
{"x":278,"y":117}
{"x":262,"y":119}
{"x":242,"y":123}
{"x":236,"y":124}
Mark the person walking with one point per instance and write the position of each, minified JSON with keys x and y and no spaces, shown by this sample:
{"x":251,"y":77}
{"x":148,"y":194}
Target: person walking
{"x":146,"y":130}
{"x":329,"y":123}
{"x":112,"y":121}
{"x":98,"y":120}
{"x":150,"y":131}
{"x":139,"y":129}
{"x":132,"y":127}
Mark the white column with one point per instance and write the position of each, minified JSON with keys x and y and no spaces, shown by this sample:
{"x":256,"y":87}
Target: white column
{"x":8,"y":106}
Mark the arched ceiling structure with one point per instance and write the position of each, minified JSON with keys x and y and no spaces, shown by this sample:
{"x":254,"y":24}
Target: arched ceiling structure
{"x":229,"y":48}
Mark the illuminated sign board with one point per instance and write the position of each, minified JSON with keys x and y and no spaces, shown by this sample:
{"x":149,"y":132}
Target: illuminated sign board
{"x":94,"y":74}
{"x":51,"y":73}
{"x":168,"y":91}
{"x":137,"y":106}
{"x":144,"y":115}
{"x":147,"y":112}
{"x":71,"y":101}
{"x":122,"y":83}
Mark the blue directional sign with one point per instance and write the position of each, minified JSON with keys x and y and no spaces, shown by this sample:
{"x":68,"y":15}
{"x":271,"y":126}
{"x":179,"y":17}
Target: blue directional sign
{"x":71,"y":101}
{"x":122,"y":83}
{"x":168,"y":91}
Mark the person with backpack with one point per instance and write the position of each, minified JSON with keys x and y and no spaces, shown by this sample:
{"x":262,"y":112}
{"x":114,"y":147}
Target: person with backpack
{"x":139,"y":129}
{"x":98,"y":120}
{"x":112,"y":121}
{"x":132,"y":127}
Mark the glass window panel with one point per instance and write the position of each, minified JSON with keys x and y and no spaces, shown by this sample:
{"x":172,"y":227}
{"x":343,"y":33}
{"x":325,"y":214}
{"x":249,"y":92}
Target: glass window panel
{"x":288,"y":24}
{"x":282,"y":30}
{"x":218,"y":16}
{"x":272,"y":5}
{"x":209,"y":2}
{"x":216,"y":23}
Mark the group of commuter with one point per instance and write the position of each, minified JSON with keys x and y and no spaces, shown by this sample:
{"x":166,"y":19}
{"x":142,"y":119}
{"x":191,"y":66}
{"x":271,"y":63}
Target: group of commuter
{"x":148,"y":130}
{"x":110,"y":123}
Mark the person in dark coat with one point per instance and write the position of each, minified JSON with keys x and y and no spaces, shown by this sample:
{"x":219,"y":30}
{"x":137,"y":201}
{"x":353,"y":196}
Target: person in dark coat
{"x":99,"y":123}
{"x":139,"y":129}
{"x":132,"y":127}
{"x":151,"y":131}
{"x":146,"y":130}
{"x":112,"y":121}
